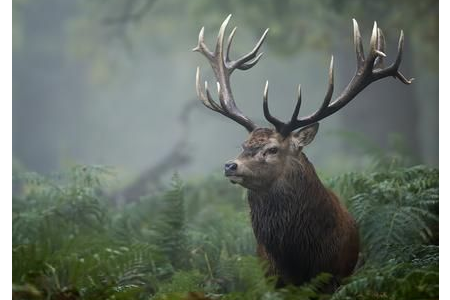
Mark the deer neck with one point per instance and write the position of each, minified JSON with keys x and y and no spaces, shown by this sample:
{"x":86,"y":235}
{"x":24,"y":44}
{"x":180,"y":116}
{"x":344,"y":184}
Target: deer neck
{"x":298,"y":196}
{"x":296,"y":185}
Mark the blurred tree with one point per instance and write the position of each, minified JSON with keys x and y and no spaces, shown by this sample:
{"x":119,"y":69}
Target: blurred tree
{"x":67,"y":56}
{"x":289,"y":33}
{"x":17,"y":23}
{"x":398,"y":105}
{"x":151,"y":179}
{"x":392,"y":108}
{"x":38,"y":61}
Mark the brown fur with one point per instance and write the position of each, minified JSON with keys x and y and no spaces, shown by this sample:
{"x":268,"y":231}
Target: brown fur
{"x":300,"y":226}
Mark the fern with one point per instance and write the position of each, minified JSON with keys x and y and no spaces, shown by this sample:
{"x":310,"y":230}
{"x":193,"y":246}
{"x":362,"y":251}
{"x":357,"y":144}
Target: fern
{"x":398,"y":207}
{"x":181,"y":282}
{"x":62,"y":242}
{"x":397,"y":213}
{"x":171,"y":238}
{"x":400,"y":277}
{"x":195,"y":240}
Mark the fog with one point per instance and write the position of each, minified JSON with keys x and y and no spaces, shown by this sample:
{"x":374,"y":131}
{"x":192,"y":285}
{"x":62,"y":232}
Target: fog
{"x":91,"y":87}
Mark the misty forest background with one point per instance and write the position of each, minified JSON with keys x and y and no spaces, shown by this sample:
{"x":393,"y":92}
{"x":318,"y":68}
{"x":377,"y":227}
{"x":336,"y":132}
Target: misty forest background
{"x":118,"y":191}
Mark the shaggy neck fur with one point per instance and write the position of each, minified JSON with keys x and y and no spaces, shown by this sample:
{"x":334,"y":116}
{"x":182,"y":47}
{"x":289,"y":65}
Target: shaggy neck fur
{"x":294,"y":222}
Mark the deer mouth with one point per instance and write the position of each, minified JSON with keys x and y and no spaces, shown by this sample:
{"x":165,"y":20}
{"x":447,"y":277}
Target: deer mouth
{"x":235,"y":179}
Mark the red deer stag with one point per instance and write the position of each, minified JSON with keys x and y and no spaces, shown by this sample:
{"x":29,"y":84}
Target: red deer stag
{"x":300,"y":226}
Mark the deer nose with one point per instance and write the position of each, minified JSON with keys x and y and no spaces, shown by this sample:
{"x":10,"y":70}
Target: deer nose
{"x":230,"y":167}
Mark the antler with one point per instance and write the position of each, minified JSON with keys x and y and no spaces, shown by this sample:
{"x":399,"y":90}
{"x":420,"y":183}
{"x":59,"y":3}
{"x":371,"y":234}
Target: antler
{"x":223,"y":67}
{"x":368,"y":70}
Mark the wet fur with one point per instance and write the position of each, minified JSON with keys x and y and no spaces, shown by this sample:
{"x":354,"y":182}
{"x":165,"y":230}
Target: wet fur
{"x":301,"y":227}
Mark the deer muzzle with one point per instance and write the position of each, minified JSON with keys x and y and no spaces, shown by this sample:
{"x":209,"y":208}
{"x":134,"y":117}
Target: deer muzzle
{"x":230,"y":168}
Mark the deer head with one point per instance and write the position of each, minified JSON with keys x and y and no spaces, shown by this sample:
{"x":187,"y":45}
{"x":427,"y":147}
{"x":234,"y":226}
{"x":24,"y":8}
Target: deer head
{"x":268,"y":153}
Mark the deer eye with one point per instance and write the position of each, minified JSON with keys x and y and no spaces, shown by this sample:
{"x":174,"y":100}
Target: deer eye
{"x":272,"y":150}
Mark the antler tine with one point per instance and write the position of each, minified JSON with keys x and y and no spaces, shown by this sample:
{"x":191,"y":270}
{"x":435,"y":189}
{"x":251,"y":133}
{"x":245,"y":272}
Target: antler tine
{"x":213,"y":103}
{"x":366,"y":74}
{"x":392,"y":70}
{"x":377,"y":48}
{"x":294,"y":123}
{"x":241,"y":63}
{"x":230,"y":40}
{"x":201,"y":46}
{"x":373,"y":52}
{"x":358,"y":44}
{"x":381,"y":44}
{"x":277,"y":123}
{"x":223,"y":68}
{"x":398,"y":60}
{"x":381,"y":50}
{"x":206,"y":99}
{"x":374,"y":37}
{"x":297,"y":106}
{"x":220,"y":37}
{"x":330,"y":89}
{"x":368,"y":70}
{"x":250,"y":64}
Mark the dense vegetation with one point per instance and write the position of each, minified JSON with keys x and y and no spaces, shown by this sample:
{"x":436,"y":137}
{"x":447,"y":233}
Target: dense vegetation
{"x":194,"y":241}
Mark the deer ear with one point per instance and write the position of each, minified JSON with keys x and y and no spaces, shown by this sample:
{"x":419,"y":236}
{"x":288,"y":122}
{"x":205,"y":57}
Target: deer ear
{"x":305,"y":135}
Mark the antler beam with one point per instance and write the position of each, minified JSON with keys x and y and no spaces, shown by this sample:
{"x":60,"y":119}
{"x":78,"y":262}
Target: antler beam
{"x":223,"y":67}
{"x":368,"y":70}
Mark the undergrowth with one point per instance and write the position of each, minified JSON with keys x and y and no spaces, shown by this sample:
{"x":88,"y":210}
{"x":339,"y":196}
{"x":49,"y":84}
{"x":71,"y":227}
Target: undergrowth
{"x":194,"y":241}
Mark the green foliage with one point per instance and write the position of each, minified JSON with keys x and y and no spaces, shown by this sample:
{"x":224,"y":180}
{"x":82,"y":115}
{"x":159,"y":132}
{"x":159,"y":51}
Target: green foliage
{"x":397,"y":213}
{"x":195,"y":241}
{"x":294,"y":24}
{"x":171,"y":237}
{"x":412,"y":273}
{"x":392,"y":207}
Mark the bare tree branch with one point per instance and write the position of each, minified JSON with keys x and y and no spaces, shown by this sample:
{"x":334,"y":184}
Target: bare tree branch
{"x":131,"y":14}
{"x":150,"y":179}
